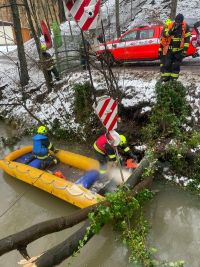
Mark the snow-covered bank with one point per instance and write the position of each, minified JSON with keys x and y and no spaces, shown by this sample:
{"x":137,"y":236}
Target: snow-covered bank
{"x":144,"y":12}
{"x":139,"y":87}
{"x":7,"y":48}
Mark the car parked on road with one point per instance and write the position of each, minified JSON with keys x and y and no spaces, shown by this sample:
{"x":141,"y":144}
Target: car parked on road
{"x":142,"y":43}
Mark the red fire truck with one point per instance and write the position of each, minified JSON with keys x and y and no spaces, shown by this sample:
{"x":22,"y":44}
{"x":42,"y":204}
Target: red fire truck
{"x":142,"y":43}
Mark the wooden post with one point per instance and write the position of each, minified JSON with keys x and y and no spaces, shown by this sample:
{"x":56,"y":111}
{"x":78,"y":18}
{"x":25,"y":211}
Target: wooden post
{"x":173,"y":9}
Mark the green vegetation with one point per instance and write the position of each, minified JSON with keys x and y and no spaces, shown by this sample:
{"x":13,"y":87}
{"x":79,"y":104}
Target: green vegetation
{"x":169,"y":113}
{"x":125,"y":213}
{"x":83,"y":102}
{"x":167,"y":139}
{"x":121,"y":209}
{"x":166,"y":130}
{"x":83,"y":110}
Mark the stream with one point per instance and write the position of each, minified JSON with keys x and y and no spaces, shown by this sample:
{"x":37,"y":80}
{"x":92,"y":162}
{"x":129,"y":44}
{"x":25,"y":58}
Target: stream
{"x":174,"y":216}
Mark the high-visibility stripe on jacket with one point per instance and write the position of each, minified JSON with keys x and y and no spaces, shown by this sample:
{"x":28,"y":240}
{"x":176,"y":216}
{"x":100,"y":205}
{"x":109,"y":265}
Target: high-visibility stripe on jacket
{"x":176,"y":41}
{"x":103,"y":147}
{"x":100,"y":146}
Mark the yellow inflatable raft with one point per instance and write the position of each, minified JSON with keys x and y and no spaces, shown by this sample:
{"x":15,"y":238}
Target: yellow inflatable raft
{"x":64,"y":189}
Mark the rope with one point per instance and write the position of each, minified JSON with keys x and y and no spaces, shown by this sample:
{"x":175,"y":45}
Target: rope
{"x":19,"y":197}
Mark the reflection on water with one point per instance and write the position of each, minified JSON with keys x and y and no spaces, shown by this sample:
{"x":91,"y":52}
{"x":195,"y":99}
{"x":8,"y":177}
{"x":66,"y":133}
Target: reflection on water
{"x":174,"y":215}
{"x":102,"y":250}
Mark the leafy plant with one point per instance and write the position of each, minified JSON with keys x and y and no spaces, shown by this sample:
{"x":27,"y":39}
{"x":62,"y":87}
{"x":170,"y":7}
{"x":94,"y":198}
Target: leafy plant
{"x":169,"y":113}
{"x":82,"y":102}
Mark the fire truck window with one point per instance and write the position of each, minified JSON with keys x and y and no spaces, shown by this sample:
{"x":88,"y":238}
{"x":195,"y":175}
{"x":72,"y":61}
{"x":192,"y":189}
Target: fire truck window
{"x":146,"y":34}
{"x":131,"y":36}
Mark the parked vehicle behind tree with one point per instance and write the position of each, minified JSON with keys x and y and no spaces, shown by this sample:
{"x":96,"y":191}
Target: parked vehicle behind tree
{"x":142,"y":43}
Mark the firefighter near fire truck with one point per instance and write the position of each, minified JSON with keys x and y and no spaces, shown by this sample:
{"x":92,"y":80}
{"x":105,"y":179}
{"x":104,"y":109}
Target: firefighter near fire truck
{"x":164,"y":41}
{"x":174,"y":44}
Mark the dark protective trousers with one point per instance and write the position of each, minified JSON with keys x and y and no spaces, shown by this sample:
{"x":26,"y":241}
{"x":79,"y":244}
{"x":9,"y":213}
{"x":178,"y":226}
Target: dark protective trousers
{"x":103,"y":160}
{"x":49,"y":162}
{"x":162,"y":64}
{"x":171,"y":65}
{"x":55,"y":72}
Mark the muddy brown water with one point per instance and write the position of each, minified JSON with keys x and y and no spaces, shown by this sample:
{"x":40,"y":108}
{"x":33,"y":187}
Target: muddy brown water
{"x":173,"y":214}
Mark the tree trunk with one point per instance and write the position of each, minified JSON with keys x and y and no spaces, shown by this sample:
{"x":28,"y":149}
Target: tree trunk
{"x":37,"y":40}
{"x":64,"y":250}
{"x":117,"y":18}
{"x":61,"y":11}
{"x":173,"y":9}
{"x":24,"y":77}
{"x":33,"y":31}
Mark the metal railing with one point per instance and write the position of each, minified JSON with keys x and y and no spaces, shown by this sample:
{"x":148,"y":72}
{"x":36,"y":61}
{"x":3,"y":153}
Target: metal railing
{"x":68,"y":55}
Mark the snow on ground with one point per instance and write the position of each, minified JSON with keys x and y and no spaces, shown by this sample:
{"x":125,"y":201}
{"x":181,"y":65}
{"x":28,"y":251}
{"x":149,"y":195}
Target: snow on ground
{"x":145,"y":12}
{"x":7,"y":48}
{"x":139,"y":86}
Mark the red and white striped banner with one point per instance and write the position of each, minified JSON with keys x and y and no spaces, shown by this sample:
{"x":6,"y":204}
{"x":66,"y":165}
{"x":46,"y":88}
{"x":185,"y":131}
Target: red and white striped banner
{"x":106,"y":110}
{"x":84,"y":12}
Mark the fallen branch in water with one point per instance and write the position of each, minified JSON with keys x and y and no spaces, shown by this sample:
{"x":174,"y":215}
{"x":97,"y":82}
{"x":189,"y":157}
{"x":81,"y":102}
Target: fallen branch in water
{"x":21,"y":239}
{"x":64,"y":250}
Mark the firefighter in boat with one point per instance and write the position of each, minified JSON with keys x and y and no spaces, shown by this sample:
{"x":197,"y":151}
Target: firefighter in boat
{"x":42,"y":148}
{"x":104,"y":148}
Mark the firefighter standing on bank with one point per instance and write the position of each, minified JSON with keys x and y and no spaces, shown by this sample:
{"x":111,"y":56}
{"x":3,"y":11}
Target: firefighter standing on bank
{"x":48,"y":64}
{"x":164,"y":42}
{"x":175,"y":40}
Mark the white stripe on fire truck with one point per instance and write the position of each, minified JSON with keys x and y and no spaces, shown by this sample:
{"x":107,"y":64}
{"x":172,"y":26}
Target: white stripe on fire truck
{"x":131,"y":43}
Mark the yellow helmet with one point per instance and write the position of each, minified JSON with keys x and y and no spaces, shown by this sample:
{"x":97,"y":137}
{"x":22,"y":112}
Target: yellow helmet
{"x":43,"y":47}
{"x":122,"y":140}
{"x":42,"y":130}
{"x":167,"y":22}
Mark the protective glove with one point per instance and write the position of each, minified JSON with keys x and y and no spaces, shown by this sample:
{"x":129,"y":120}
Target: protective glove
{"x":114,"y":164}
{"x":184,"y":53}
{"x":134,"y":157}
{"x":171,"y":32}
{"x":175,"y":26}
{"x":121,"y":161}
{"x":160,"y":52}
